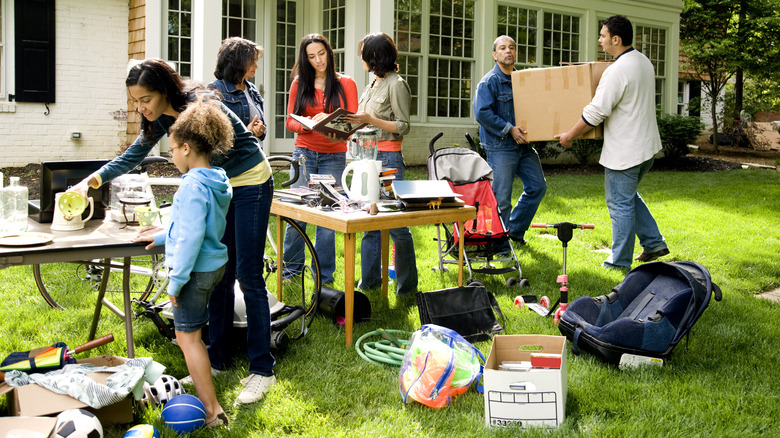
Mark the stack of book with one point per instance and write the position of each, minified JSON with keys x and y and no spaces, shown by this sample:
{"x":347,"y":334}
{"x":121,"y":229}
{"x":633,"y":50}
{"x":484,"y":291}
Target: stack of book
{"x":316,"y":178}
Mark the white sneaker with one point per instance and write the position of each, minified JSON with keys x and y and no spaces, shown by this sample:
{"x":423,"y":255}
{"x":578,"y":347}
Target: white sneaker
{"x":188,"y":380}
{"x":256,"y":387}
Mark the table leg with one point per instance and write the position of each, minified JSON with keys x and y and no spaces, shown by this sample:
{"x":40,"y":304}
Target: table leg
{"x":384,"y":251}
{"x":101,"y":295}
{"x":128,"y":307}
{"x":349,"y":285}
{"x":460,"y":256}
{"x":279,"y":251}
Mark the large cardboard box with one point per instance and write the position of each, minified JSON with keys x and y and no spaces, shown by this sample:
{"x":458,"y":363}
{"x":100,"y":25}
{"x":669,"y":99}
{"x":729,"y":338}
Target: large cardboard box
{"x":549,"y":101}
{"x":26,"y":426}
{"x":36,"y":401}
{"x":532,"y":398}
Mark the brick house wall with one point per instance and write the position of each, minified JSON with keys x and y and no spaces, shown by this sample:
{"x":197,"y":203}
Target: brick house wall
{"x":90,"y":95}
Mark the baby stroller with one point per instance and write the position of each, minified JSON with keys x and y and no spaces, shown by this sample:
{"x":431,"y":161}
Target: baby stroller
{"x":485,"y":238}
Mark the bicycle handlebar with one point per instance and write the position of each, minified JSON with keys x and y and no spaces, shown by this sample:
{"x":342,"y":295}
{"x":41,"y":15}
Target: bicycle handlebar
{"x":141,"y":168}
{"x":294,"y":174}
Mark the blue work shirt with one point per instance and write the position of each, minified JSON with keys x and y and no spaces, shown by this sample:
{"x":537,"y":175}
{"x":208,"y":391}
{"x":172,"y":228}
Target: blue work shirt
{"x":495,"y":111}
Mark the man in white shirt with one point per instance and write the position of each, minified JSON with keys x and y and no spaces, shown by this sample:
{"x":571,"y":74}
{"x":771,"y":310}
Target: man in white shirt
{"x":625,"y":102}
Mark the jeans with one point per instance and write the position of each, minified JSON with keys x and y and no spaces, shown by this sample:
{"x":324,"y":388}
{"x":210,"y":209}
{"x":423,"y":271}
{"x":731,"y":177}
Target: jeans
{"x":524,"y":162}
{"x":247,"y":222}
{"x":371,"y":245}
{"x":630,"y":215}
{"x":325,"y":239}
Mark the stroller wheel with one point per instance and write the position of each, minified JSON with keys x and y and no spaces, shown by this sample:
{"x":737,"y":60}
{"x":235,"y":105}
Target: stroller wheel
{"x":511,"y":281}
{"x":475,"y":283}
{"x":524,"y":283}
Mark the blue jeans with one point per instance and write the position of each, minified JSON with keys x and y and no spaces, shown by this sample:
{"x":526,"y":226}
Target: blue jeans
{"x":630,"y":215}
{"x":371,"y":245}
{"x":247,"y":222}
{"x":192,"y":313}
{"x":325,"y":239}
{"x":524,"y":162}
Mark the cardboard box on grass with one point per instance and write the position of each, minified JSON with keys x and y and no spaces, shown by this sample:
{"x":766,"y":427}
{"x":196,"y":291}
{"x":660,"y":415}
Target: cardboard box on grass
{"x":35,"y":401}
{"x":549,"y":101}
{"x":12,"y":426}
{"x":529,"y":398}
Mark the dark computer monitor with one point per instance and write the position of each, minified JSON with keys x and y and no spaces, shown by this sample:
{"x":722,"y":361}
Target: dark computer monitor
{"x":59,"y":176}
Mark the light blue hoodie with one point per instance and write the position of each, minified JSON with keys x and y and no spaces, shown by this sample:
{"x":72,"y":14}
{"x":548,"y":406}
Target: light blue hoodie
{"x":197,"y":224}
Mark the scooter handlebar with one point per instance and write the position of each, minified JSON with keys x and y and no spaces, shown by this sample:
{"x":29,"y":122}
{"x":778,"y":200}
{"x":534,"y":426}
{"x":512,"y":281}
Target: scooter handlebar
{"x":543,"y":225}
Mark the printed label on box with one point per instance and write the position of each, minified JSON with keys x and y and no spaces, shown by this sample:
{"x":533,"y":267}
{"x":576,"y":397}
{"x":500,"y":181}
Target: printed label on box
{"x":505,"y":408}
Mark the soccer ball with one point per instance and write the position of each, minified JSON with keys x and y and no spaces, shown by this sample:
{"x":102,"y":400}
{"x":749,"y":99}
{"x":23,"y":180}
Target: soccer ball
{"x":163,"y":389}
{"x":78,"y":423}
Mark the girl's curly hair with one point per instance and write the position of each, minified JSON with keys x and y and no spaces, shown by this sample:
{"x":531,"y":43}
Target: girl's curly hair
{"x":204,"y":126}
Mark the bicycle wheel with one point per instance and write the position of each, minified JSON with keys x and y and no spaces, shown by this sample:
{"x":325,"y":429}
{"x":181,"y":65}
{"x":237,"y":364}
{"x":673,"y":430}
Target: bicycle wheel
{"x":65,"y":285}
{"x":300,"y":289}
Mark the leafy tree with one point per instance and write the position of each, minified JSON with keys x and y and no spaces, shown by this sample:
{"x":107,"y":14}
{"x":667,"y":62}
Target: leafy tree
{"x":725,"y":38}
{"x":708,"y":41}
{"x":758,"y":32}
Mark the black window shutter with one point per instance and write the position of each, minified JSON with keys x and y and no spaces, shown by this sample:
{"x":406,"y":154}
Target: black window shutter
{"x":34,"y":39}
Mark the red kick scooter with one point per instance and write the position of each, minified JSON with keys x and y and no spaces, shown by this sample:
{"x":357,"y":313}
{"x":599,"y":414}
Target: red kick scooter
{"x":564,"y":235}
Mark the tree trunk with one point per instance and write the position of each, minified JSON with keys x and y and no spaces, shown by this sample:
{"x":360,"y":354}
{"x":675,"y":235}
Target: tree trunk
{"x":738,"y":96}
{"x":714,"y":110}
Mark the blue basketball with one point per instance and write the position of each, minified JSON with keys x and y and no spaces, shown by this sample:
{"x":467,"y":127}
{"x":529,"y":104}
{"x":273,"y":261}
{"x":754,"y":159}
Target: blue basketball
{"x":142,"y":431}
{"x":184,"y":413}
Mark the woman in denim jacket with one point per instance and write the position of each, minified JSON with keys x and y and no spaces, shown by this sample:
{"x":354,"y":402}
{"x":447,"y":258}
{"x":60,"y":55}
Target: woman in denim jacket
{"x":385,"y":104}
{"x":236,"y":64}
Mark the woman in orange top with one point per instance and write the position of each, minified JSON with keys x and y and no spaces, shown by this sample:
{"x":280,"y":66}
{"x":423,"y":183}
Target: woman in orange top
{"x":316,"y":91}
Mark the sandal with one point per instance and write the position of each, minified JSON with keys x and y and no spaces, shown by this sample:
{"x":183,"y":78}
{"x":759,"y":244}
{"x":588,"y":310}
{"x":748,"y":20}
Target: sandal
{"x":220,"y":420}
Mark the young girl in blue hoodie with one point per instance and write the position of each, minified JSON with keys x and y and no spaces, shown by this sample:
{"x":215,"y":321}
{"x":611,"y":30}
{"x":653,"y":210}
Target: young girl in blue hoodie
{"x":194,"y":253}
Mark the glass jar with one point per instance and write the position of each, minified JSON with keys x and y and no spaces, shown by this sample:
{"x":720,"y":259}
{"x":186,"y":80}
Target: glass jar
{"x":15,"y":198}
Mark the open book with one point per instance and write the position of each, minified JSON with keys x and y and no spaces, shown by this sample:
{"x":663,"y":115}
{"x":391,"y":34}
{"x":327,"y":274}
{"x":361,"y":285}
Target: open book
{"x":333,"y":124}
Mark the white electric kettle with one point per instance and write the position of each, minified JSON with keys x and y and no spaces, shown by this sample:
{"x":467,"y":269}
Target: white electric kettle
{"x":365,"y":180}
{"x":68,"y":207}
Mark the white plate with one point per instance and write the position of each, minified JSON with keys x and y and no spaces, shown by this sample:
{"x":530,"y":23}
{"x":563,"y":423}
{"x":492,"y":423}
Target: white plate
{"x":26,"y":239}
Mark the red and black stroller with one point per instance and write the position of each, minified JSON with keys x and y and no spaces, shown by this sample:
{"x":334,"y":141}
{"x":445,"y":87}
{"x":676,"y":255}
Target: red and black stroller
{"x":486,"y":241}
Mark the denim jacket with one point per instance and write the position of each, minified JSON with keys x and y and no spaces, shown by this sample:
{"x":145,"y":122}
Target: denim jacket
{"x":494,"y":110}
{"x":235,"y":99}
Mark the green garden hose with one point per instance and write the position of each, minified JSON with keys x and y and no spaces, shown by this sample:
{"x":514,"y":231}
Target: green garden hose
{"x":388,"y":351}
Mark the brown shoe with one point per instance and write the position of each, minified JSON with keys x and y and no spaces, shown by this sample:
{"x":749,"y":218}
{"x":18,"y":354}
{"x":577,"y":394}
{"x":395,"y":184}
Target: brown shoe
{"x":650,"y":256}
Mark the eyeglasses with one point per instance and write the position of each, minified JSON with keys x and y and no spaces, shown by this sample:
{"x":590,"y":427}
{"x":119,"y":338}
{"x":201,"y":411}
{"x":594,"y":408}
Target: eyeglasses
{"x":169,"y":154}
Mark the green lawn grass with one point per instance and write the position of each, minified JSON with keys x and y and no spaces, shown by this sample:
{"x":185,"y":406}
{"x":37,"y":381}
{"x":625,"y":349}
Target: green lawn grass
{"x":721,"y":382}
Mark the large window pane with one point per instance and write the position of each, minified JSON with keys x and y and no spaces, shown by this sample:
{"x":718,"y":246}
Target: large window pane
{"x":450,"y":54}
{"x":333,"y":23}
{"x":652,"y":42}
{"x":286,"y":46}
{"x":179,"y":44}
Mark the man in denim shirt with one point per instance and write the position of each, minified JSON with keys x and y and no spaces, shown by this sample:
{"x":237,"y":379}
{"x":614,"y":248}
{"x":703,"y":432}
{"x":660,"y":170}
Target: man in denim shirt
{"x":508,"y":151}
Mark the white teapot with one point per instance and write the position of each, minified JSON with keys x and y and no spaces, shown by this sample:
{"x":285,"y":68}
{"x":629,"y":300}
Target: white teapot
{"x":68,"y":209}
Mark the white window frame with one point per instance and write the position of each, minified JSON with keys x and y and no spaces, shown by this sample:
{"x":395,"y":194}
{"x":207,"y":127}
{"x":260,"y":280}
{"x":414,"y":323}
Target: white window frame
{"x":539,"y":30}
{"x":334,"y":28}
{"x":167,"y":37}
{"x":421,"y":95}
{"x":255,"y":25}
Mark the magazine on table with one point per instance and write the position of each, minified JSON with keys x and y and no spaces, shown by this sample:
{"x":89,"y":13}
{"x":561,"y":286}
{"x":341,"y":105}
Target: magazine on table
{"x":332,"y":124}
